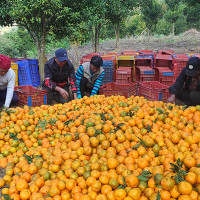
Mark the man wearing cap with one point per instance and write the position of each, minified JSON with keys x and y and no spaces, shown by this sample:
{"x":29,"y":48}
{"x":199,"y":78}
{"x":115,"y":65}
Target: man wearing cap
{"x":57,"y":72}
{"x":187,"y":85}
{"x":89,"y":77}
{"x":7,"y":83}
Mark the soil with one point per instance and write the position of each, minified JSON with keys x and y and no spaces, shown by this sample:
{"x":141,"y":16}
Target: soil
{"x":186,"y":42}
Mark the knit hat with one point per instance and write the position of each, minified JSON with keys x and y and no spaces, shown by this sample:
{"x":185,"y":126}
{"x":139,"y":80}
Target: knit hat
{"x":5,"y":62}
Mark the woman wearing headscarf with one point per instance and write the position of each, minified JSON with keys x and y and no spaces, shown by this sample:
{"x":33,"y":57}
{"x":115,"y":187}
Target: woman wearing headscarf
{"x":7,"y":83}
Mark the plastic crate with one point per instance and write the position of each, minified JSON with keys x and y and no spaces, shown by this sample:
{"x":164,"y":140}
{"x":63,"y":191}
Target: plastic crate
{"x":113,"y":53}
{"x":179,"y":62}
{"x":14,"y":66}
{"x":125,"y":61}
{"x":126,"y":90}
{"x":87,"y":57}
{"x":146,"y":52}
{"x":113,"y":59}
{"x":196,"y":55}
{"x":28,"y":73}
{"x":130,"y":53}
{"x":34,"y":70}
{"x":144,"y":74}
{"x":164,"y":75}
{"x":166,"y":52}
{"x":30,"y":96}
{"x":163,"y":61}
{"x":154,"y":91}
{"x":144,"y":60}
{"x":124,"y":75}
{"x":108,"y":69}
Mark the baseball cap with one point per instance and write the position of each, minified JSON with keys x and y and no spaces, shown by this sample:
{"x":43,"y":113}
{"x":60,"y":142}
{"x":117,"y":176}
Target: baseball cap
{"x":61,"y":54}
{"x":193,"y":66}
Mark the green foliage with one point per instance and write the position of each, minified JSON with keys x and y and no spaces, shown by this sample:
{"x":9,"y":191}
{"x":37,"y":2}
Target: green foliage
{"x":152,"y":11}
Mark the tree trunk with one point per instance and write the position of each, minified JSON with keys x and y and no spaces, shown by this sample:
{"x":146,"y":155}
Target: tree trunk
{"x":41,"y":56}
{"x":97,"y":30}
{"x":92,"y":38}
{"x":172,"y":28}
{"x":116,"y":28}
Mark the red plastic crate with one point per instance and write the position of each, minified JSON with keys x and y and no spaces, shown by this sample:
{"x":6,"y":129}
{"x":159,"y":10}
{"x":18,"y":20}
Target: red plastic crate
{"x":87,"y":58}
{"x":30,"y":96}
{"x":154,"y":91}
{"x":164,"y":75}
{"x":126,"y":90}
{"x":166,"y":52}
{"x":124,"y":75}
{"x":146,"y":52}
{"x":163,"y":61}
{"x":144,"y":74}
{"x":147,"y":62}
{"x":113,"y":53}
{"x":112,"y":58}
{"x":179,"y":62}
{"x":130,"y":53}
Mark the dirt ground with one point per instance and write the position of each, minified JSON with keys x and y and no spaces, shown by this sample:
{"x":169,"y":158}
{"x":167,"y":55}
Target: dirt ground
{"x":184,"y":43}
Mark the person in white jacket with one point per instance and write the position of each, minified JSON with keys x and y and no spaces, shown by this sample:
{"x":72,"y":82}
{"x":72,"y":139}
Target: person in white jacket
{"x":8,"y":97}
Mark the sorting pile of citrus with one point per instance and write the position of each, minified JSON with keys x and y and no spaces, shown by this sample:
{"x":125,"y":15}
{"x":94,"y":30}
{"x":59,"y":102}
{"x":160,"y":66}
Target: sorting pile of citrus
{"x":101,"y":148}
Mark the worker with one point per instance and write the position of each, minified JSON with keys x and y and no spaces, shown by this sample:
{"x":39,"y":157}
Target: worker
{"x":57,"y":72}
{"x":187,"y":85}
{"x":89,"y":77}
{"x":8,"y":97}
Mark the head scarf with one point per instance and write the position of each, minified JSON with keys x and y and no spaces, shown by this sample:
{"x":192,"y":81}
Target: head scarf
{"x":5,"y":62}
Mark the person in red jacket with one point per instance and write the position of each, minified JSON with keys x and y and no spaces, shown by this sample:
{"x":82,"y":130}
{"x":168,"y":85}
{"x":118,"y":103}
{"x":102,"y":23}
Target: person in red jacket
{"x":59,"y":76}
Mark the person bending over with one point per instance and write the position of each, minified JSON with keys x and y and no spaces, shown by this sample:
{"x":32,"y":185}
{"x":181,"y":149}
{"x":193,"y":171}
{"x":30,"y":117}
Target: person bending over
{"x":8,"y":97}
{"x":89,"y":77}
{"x":187,"y":85}
{"x":57,"y":72}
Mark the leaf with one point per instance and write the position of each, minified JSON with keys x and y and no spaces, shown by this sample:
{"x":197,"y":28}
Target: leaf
{"x":6,"y":197}
{"x":142,"y":178}
{"x":158,"y":196}
{"x":160,"y":111}
{"x":170,"y":107}
{"x":82,"y":121}
{"x":136,"y":146}
{"x":49,"y":194}
{"x":67,"y":122}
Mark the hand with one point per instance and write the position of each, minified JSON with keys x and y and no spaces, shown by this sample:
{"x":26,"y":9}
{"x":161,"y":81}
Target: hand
{"x":171,"y":99}
{"x":75,"y":96}
{"x":64,"y":93}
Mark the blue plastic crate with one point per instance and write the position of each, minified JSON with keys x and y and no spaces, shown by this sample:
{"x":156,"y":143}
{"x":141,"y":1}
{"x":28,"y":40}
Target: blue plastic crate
{"x":108,"y":68}
{"x":28,"y":73}
{"x":35,"y":76}
{"x":24,"y":76}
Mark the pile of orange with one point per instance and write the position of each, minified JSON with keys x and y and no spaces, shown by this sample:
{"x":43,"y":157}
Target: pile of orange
{"x":99,"y":148}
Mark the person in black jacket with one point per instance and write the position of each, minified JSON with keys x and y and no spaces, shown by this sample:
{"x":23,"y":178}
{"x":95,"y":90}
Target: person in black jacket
{"x":58,"y":70}
{"x":187,"y":85}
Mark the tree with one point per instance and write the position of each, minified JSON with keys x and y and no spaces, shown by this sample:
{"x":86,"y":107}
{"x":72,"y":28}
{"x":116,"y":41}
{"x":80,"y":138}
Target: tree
{"x":41,"y":17}
{"x":192,"y":13}
{"x":94,"y":12}
{"x":173,"y":12}
{"x":151,"y":12}
{"x":116,"y":12}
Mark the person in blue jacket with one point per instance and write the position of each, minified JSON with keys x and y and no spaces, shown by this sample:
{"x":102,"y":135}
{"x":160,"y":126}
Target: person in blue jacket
{"x":187,"y":85}
{"x":89,"y":77}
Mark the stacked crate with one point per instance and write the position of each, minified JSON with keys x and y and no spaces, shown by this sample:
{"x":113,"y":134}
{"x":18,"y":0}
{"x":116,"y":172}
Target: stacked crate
{"x":164,"y":75}
{"x":124,"y":75}
{"x":154,"y":91}
{"x":87,"y":58}
{"x":113,"y":59}
{"x":162,"y":60}
{"x":179,"y":62}
{"x":143,"y":73}
{"x":108,"y":69}
{"x":14,"y":66}
{"x":28,"y":72}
